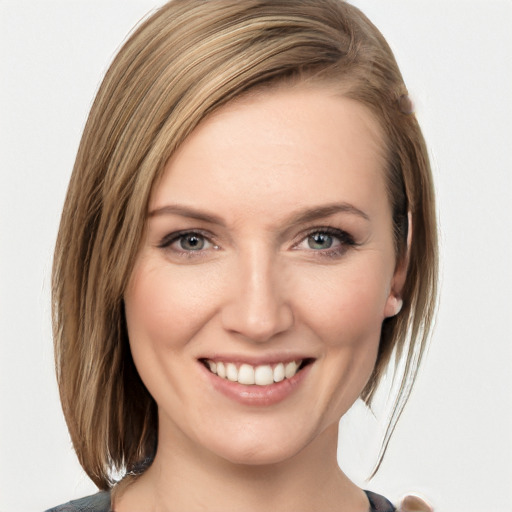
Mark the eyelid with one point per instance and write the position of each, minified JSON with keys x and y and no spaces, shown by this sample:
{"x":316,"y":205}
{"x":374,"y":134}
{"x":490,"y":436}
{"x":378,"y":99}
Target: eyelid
{"x":345,"y":242}
{"x":173,"y":237}
{"x":345,"y":239}
{"x":342,"y":235}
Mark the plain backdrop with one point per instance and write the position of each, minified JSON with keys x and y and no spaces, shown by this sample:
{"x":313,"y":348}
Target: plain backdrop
{"x":453,"y":443}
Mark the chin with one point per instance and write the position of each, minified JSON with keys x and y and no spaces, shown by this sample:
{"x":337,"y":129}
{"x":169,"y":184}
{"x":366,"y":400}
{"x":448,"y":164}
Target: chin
{"x":258,"y":455}
{"x":254,"y":446}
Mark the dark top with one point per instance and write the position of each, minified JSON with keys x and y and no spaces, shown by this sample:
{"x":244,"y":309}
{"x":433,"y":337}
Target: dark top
{"x":100,"y":502}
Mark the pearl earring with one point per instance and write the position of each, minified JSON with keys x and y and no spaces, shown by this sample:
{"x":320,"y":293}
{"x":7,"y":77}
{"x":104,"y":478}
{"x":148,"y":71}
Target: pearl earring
{"x":395,"y":304}
{"x":398,"y":304}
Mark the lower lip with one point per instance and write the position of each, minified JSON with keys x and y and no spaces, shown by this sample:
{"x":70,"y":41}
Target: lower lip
{"x":257,"y":395}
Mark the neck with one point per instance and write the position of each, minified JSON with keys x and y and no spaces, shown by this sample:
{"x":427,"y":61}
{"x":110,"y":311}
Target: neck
{"x":182,"y":478}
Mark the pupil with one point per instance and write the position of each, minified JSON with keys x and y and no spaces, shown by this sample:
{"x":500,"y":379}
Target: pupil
{"x":320,"y":241}
{"x":192,"y":243}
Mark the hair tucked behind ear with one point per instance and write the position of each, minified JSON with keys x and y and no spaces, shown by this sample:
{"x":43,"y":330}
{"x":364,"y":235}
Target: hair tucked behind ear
{"x":188,"y":59}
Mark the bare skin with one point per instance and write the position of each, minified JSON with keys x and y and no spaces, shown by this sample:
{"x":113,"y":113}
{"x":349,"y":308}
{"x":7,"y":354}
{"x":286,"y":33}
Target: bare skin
{"x":286,"y":486}
{"x":269,"y":239}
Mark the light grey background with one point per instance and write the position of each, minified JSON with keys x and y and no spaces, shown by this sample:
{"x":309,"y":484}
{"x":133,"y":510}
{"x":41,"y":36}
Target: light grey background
{"x":453,"y":443}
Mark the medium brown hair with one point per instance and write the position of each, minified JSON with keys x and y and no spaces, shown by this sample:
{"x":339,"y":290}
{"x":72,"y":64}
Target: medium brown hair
{"x":181,"y":64}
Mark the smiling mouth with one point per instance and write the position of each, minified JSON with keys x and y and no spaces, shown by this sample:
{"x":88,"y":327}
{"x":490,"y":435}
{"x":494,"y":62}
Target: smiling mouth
{"x":260,"y":375}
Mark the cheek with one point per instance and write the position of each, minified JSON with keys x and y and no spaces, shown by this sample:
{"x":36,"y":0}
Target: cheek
{"x":347,"y":306}
{"x":164,"y":309}
{"x":346,"y":314}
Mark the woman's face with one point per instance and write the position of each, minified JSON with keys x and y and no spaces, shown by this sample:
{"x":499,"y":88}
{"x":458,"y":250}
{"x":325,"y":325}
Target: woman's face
{"x":256,"y":302}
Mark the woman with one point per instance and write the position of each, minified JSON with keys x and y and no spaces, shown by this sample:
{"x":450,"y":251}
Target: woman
{"x":256,"y":243}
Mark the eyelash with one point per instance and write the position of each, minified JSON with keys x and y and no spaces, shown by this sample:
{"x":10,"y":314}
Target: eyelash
{"x":171,"y":238}
{"x":345,"y":242}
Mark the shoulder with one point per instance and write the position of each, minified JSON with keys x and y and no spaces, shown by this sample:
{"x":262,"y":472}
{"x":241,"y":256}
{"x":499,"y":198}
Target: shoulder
{"x":378,"y":503}
{"x":99,"y":502}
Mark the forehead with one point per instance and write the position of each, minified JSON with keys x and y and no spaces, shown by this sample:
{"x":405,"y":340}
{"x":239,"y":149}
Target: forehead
{"x":279,"y":147}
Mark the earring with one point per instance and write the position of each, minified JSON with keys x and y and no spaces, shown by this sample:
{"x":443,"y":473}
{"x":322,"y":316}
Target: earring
{"x":398,"y":304}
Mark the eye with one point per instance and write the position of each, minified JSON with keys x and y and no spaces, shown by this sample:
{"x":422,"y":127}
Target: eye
{"x":187,"y":242}
{"x":320,"y":241}
{"x":326,"y":241}
{"x":192,"y":242}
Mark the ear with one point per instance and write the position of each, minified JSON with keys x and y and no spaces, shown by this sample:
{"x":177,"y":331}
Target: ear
{"x":394,"y":301}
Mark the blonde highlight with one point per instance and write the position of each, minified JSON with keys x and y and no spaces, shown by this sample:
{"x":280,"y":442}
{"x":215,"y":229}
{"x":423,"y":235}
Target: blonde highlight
{"x":180,"y":65}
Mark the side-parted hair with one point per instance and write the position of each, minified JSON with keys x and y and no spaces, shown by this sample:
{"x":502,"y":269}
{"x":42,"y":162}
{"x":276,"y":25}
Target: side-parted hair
{"x":185,"y":61}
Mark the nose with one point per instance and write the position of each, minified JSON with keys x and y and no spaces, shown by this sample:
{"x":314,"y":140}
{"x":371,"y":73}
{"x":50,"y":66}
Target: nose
{"x":257,"y":307}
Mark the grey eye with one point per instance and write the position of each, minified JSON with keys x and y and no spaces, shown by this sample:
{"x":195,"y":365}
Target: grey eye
{"x":192,"y":242}
{"x":320,"y":241}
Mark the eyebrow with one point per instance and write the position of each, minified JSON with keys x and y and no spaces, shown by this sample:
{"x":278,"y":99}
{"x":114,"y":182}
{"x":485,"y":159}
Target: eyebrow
{"x":186,"y":211}
{"x":326,"y":211}
{"x":306,"y":215}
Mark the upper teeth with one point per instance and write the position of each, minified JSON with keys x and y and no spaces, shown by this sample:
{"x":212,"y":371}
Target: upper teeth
{"x":247,"y":374}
